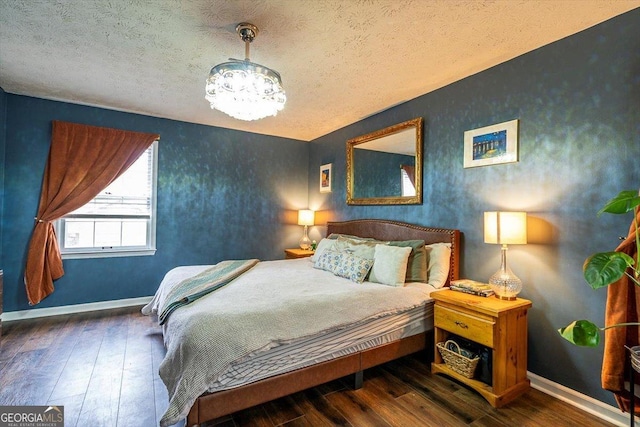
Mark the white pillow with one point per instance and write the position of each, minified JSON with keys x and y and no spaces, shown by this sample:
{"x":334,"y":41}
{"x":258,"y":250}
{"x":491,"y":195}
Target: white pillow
{"x":325,"y":244}
{"x":390,"y":265}
{"x":439,"y":263}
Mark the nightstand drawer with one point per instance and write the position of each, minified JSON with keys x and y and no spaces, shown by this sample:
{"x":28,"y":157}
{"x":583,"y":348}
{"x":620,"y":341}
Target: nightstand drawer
{"x":470,"y":327}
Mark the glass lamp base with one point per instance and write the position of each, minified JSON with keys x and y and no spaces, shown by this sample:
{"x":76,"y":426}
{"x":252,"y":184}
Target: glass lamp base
{"x":305,"y":242}
{"x":505,"y":285}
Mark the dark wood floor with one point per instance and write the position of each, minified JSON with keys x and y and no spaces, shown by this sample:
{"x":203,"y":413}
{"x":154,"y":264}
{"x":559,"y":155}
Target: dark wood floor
{"x":102,"y":366}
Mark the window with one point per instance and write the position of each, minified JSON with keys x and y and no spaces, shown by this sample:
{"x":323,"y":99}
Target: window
{"x":407,"y":186}
{"x":120,"y":221}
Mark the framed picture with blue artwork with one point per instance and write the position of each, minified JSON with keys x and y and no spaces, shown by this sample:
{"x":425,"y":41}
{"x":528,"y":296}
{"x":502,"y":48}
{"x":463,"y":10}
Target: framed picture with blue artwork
{"x":325,"y":178}
{"x":491,"y":145}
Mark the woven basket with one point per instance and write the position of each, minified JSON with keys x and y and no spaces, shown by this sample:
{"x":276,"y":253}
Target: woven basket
{"x":456,"y":361}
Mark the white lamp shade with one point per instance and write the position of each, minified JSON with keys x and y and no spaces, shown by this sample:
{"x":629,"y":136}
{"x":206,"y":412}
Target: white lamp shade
{"x":306,"y":217}
{"x":506,"y":228}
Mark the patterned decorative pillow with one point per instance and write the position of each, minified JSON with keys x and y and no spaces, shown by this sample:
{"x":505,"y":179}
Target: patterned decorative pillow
{"x":353,"y":267}
{"x":329,"y":260}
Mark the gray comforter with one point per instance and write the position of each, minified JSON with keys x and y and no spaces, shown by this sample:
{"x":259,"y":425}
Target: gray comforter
{"x":274,"y":303}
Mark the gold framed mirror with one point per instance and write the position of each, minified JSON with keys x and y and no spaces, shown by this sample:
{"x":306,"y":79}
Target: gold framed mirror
{"x":385,"y":167}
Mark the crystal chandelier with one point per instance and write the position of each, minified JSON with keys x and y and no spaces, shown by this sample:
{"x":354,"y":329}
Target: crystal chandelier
{"x":243,"y":89}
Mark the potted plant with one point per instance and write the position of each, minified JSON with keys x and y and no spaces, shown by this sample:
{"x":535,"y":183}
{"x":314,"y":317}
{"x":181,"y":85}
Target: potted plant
{"x":602,"y":269}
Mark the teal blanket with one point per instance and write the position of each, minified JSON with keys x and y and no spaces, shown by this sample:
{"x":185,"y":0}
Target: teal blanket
{"x":189,"y":290}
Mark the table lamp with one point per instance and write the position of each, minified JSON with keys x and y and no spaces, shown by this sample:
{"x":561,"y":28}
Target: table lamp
{"x":505,"y":228}
{"x":306,"y":218}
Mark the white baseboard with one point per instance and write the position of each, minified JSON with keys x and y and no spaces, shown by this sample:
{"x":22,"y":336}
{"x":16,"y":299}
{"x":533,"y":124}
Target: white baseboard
{"x":69,"y":309}
{"x":588,"y":404}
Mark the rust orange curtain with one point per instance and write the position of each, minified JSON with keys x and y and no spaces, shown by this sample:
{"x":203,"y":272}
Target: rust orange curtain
{"x":83,"y":161}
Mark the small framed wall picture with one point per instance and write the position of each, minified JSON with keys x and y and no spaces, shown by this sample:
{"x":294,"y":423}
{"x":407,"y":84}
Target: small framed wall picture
{"x":491,"y":145}
{"x":325,"y":178}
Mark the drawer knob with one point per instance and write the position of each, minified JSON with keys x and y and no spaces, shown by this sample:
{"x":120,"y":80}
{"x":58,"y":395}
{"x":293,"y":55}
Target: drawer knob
{"x":461,"y":324}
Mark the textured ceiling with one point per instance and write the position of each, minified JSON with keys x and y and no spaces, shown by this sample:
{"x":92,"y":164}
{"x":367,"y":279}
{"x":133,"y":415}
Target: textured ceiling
{"x":340,"y":60}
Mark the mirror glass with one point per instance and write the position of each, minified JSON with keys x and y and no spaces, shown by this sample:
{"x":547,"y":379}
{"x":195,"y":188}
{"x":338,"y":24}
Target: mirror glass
{"x":385,"y":167}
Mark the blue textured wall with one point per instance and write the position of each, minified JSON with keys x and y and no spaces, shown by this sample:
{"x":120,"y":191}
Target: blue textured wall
{"x":3,"y":137}
{"x":222,"y":194}
{"x":578,"y":101}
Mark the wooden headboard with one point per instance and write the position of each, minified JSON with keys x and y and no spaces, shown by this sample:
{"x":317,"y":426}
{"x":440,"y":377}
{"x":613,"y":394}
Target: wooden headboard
{"x":381,"y":229}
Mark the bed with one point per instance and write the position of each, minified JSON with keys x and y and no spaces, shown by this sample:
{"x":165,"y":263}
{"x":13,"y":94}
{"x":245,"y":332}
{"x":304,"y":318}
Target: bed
{"x":381,"y":324}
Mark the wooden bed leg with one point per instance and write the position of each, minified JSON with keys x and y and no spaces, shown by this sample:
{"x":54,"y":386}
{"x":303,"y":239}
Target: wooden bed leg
{"x":357,"y":380}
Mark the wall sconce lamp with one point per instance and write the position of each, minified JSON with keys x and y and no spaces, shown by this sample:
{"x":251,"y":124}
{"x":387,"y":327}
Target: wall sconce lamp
{"x":505,"y":228}
{"x":305,"y":217}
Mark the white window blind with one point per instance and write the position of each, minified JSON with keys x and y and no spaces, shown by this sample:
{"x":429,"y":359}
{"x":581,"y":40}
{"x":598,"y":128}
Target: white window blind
{"x":120,"y":221}
{"x":407,"y":187}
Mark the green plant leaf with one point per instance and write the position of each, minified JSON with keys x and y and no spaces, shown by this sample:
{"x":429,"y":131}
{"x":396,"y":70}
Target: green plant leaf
{"x":582,"y":333}
{"x":624,"y":202}
{"x":604,"y":268}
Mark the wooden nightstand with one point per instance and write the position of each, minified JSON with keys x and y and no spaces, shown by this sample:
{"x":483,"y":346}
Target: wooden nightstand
{"x":297,"y":253}
{"x":494,"y":323}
